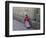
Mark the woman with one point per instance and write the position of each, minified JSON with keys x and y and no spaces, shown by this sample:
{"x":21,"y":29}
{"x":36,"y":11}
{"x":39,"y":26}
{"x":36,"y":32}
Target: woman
{"x":26,"y":21}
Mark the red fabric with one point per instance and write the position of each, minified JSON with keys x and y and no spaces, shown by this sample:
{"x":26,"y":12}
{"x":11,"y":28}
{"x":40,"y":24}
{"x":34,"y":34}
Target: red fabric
{"x":26,"y":18}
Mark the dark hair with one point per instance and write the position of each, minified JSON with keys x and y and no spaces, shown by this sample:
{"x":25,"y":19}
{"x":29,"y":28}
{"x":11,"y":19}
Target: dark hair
{"x":26,"y":15}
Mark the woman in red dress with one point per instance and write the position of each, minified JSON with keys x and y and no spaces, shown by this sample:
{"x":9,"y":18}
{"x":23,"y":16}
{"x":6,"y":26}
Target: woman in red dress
{"x":26,"y":21}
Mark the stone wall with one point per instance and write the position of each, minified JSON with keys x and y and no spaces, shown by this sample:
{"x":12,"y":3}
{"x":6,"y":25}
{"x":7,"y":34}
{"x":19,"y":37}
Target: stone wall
{"x":33,"y":13}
